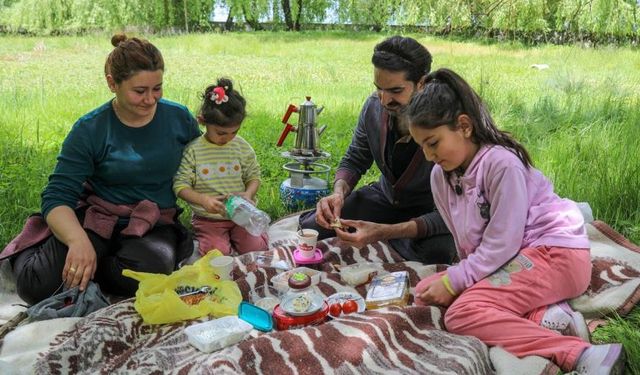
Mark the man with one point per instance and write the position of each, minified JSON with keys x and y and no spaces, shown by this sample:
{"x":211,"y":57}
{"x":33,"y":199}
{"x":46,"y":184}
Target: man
{"x":398,"y":207}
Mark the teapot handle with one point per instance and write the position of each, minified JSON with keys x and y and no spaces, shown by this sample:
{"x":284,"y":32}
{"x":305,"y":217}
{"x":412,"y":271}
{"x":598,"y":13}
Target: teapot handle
{"x":288,"y":128}
{"x":292,"y":108}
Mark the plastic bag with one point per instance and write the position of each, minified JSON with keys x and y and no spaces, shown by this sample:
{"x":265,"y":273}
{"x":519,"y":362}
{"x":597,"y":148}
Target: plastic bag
{"x":69,"y":303}
{"x":158,"y":298}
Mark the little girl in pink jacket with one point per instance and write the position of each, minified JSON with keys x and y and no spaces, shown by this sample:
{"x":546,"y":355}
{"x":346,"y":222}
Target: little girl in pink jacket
{"x":523,"y":250}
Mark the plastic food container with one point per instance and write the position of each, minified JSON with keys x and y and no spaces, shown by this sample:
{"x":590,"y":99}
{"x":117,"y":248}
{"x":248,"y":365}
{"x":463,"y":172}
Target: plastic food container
{"x":361,"y":273}
{"x":257,"y":317}
{"x":281,"y":281}
{"x":260,"y":259}
{"x":218,"y":333}
{"x":266,"y":297}
{"x":284,"y":321}
{"x":387,"y":290}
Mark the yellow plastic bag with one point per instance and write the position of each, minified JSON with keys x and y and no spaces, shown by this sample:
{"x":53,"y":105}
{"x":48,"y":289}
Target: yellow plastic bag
{"x":158,"y":302}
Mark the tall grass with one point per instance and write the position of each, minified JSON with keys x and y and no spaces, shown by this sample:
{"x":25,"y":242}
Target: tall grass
{"x":578,"y":119}
{"x":53,"y":81}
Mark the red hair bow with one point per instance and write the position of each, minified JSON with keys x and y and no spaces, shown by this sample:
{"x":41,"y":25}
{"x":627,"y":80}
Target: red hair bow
{"x":219,"y":95}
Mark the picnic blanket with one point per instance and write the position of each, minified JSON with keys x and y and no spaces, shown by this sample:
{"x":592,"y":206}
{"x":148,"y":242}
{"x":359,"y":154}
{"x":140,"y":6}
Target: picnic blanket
{"x":389,"y":340}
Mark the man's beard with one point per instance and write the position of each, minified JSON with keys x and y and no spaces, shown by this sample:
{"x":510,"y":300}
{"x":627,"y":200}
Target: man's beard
{"x":402,"y":125}
{"x":395,"y":109}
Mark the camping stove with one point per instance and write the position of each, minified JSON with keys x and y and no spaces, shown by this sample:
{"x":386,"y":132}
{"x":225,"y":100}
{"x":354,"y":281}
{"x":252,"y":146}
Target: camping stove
{"x":307,"y":181}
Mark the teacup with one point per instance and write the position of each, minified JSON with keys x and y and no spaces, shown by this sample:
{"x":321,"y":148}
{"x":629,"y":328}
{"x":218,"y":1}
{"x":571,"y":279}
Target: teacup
{"x":307,"y":241}
{"x":222,"y":267}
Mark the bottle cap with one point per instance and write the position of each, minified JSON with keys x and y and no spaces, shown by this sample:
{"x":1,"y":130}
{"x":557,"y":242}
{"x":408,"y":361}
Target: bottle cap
{"x":299,"y":280}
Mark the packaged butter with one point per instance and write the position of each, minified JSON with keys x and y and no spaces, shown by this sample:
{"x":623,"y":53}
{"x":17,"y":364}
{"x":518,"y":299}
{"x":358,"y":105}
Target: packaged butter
{"x":387,"y":290}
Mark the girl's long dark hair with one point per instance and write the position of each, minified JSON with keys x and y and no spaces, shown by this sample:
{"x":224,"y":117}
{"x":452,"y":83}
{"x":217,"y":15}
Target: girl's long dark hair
{"x":446,"y":96}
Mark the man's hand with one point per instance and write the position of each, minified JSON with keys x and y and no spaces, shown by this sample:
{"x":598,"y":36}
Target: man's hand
{"x":328,"y":209}
{"x":80,"y":265}
{"x":436,"y":294}
{"x":213,"y":204}
{"x":360,"y":233}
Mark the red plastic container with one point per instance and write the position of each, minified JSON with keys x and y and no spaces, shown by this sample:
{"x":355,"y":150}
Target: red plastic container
{"x":284,"y":321}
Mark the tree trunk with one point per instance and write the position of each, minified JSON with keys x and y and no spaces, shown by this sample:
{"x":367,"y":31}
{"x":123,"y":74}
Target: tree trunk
{"x":228,"y":24}
{"x":253,"y":23}
{"x":166,"y":13}
{"x":186,"y":16}
{"x":296,"y":22}
{"x":286,"y":9}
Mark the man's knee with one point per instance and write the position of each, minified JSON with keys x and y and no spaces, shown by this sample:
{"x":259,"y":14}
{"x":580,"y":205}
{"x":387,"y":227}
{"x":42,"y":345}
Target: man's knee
{"x":439,"y":249}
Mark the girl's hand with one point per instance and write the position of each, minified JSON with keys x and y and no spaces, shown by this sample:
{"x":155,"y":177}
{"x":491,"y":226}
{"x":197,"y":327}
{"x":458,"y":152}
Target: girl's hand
{"x":214,"y":204}
{"x":436,"y":294}
{"x":360,"y":234}
{"x":80,"y":265}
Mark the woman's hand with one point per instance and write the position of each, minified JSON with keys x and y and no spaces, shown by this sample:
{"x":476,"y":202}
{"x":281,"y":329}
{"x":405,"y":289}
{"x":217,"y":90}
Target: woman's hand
{"x":213,"y":204}
{"x":80,"y":265}
{"x":360,"y":233}
{"x":328,"y":209}
{"x":436,"y":294}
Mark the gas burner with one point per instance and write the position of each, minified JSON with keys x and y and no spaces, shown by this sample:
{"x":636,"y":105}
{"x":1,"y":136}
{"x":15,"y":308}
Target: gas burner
{"x":306,"y":159}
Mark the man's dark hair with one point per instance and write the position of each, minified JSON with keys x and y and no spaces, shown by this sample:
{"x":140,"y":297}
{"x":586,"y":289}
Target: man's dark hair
{"x":402,"y":54}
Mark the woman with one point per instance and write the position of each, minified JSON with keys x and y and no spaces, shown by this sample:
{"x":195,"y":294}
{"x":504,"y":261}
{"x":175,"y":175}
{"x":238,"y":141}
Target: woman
{"x":109,"y":202}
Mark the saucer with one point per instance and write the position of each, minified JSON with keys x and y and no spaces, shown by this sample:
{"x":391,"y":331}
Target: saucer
{"x":341,"y":297}
{"x":316,"y":302}
{"x":302,"y":260}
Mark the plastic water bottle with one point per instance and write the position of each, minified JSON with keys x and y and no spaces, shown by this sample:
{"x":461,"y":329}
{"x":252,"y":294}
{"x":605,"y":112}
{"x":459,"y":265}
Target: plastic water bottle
{"x":248,"y":216}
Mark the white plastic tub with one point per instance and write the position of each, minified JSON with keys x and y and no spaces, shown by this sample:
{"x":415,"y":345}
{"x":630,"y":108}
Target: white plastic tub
{"x":217,"y":334}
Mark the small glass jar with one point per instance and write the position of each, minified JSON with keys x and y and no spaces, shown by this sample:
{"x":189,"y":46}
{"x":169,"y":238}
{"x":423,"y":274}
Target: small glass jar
{"x":302,"y":298}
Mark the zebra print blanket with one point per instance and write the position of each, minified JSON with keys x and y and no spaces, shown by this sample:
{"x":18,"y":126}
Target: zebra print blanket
{"x":392,"y":340}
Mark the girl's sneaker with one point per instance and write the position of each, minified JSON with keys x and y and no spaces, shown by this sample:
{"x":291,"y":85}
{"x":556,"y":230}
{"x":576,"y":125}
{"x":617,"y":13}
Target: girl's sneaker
{"x":605,"y":359}
{"x":561,"y":317}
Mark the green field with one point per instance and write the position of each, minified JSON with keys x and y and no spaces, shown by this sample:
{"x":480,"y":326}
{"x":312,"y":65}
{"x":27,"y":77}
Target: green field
{"x":579,"y":118}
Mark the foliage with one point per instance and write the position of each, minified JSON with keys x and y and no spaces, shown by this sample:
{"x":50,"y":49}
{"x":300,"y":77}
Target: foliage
{"x":535,"y":21}
{"x":70,"y":16}
{"x":377,"y":13}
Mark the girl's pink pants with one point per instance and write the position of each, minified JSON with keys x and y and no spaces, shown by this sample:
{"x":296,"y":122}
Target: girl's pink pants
{"x":226,"y":236}
{"x":506,"y":308}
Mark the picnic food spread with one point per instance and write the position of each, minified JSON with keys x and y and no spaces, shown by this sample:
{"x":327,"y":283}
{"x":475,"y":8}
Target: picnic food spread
{"x":302,"y":305}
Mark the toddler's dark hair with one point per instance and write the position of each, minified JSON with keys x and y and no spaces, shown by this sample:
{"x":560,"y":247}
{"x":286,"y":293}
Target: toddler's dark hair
{"x":222,"y":113}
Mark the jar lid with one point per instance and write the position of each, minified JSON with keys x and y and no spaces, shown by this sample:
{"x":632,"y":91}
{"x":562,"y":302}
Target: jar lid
{"x":299,"y":280}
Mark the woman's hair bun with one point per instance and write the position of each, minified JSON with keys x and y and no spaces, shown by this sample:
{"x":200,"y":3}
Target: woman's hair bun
{"x":117,"y":39}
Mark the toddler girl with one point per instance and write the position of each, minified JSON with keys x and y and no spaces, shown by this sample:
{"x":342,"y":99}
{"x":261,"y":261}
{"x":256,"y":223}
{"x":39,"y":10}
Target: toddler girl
{"x":218,"y":164}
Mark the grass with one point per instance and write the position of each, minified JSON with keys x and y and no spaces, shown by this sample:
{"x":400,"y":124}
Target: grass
{"x":578,"y":118}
